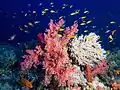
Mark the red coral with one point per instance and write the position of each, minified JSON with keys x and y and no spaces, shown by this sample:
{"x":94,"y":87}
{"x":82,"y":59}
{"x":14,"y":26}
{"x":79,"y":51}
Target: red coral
{"x":98,"y":69}
{"x":88,"y":73}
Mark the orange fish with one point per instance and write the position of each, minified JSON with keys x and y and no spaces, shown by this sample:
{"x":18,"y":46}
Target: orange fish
{"x":26,"y":83}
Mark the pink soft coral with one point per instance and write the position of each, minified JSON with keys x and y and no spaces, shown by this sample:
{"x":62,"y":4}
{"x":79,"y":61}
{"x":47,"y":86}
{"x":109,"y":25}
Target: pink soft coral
{"x":32,"y":58}
{"x":56,"y":61}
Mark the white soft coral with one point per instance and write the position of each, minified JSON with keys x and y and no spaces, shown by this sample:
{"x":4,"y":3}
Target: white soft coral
{"x":87,"y":49}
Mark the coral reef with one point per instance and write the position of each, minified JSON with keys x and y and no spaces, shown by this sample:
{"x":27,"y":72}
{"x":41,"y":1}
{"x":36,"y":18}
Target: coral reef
{"x":58,"y":54}
{"x":60,"y":62}
{"x":113,"y":59}
{"x":56,"y":60}
{"x":9,"y":56}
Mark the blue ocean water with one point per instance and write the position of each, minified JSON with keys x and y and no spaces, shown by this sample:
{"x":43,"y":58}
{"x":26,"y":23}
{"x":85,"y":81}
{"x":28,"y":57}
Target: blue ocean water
{"x":22,"y":20}
{"x":11,"y":17}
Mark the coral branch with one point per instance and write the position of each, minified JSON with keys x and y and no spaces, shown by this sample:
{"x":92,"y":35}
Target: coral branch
{"x":32,"y":58}
{"x":88,"y":73}
{"x":56,"y":60}
{"x":98,"y":69}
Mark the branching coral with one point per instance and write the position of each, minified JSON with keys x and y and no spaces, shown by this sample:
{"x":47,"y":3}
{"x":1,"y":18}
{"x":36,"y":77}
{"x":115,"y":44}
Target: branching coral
{"x":56,"y":60}
{"x":32,"y":58}
{"x":86,"y":49}
{"x":55,"y":57}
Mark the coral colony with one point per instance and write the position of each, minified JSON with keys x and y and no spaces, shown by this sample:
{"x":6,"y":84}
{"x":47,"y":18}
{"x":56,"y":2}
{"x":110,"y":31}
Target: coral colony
{"x":74,"y":62}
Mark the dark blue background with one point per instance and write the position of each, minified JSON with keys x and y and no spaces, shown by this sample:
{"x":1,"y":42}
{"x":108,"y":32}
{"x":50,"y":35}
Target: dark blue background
{"x":103,"y":10}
